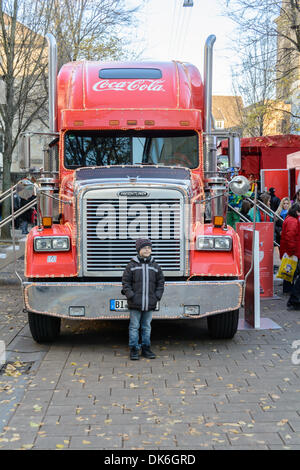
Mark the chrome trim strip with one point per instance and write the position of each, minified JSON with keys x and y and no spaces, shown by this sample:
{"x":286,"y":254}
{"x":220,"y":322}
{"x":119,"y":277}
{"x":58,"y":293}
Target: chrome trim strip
{"x":55,"y":298}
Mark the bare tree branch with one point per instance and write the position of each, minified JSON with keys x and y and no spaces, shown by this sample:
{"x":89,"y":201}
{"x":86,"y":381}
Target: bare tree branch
{"x":278,"y":22}
{"x":80,"y":25}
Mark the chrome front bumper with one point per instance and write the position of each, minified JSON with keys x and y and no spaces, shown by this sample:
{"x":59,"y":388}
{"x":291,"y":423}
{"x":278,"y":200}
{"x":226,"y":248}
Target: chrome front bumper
{"x":54,"y":298}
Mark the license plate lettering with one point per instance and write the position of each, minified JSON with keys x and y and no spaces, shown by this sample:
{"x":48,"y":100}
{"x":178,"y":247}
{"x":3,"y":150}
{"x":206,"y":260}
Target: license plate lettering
{"x":121,"y":305}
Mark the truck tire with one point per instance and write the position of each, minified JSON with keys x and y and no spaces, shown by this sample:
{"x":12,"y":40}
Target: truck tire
{"x":223,"y":325}
{"x":44,"y":328}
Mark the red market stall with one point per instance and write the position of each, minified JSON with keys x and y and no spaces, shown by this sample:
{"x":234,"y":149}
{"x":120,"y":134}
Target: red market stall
{"x":260,"y":155}
{"x":293,"y":166}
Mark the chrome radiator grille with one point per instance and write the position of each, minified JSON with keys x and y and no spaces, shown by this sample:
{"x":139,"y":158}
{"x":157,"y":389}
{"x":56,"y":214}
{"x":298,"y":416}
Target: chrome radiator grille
{"x":111,"y":226}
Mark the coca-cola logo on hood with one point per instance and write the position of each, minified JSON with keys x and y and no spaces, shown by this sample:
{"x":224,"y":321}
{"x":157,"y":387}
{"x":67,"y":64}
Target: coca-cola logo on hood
{"x":130,"y":85}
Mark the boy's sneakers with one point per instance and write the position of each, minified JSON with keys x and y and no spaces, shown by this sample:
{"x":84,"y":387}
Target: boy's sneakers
{"x":146,"y":352}
{"x":134,"y":354}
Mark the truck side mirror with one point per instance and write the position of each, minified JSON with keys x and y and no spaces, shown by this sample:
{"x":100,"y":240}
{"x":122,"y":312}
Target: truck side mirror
{"x":239,"y":185}
{"x":26,"y":189}
{"x":234,"y":151}
{"x":25,"y":160}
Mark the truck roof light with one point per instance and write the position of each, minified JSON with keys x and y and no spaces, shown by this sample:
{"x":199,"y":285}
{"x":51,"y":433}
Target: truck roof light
{"x":184,"y":123}
{"x":131,"y":123}
{"x":114,"y":123}
{"x":130,"y":73}
{"x":149,"y":123}
{"x":78,"y":123}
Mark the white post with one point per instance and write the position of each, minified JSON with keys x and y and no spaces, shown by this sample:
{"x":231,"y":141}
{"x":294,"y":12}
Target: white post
{"x":2,"y":353}
{"x":256,"y":281}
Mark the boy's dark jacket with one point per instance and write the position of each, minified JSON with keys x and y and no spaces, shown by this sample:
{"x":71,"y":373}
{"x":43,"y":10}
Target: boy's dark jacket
{"x":143,"y":283}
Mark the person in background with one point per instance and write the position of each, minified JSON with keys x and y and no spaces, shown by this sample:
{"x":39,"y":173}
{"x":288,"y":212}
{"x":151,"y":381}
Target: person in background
{"x":253,"y":181}
{"x":290,"y":243}
{"x":235,"y":201}
{"x":282,"y":211}
{"x":17,"y":205}
{"x":246,"y":206}
{"x":25,"y":218}
{"x":261,"y":216}
{"x":296,"y":198}
{"x":283,"y":207}
{"x":275,"y":201}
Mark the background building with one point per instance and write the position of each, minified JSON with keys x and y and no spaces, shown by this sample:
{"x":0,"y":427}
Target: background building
{"x":227,"y":112}
{"x":26,"y":79}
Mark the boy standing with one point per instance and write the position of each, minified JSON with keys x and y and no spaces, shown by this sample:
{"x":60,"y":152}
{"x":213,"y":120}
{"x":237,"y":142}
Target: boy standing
{"x":143,"y":285}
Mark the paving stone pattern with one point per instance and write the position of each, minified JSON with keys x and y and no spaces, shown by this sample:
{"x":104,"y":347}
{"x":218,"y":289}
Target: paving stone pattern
{"x":83,"y":392}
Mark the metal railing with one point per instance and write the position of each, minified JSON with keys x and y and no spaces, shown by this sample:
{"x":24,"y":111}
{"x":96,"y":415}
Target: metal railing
{"x":17,"y":213}
{"x":14,"y":213}
{"x":262,"y":207}
{"x":11,"y":219}
{"x":265,"y":209}
{"x":8,"y":192}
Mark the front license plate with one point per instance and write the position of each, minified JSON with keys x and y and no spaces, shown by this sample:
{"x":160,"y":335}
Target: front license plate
{"x":121,"y":305}
{"x":118,"y":304}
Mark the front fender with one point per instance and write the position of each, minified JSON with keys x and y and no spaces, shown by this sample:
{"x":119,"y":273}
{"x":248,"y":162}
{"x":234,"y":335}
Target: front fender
{"x":216,"y":263}
{"x":50,"y":264}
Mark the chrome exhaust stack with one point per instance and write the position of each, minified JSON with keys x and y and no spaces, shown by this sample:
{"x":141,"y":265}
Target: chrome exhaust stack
{"x":215,"y":185}
{"x":52,"y":86}
{"x":50,"y":164}
{"x":47,"y":183}
{"x":210,"y":140}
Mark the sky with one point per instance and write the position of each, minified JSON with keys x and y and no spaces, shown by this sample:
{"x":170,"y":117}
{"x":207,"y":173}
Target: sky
{"x":171,"y":31}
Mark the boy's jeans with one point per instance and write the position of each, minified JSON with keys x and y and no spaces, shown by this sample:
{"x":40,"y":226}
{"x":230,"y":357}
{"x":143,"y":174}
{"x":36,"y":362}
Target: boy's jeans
{"x":139,"y":319}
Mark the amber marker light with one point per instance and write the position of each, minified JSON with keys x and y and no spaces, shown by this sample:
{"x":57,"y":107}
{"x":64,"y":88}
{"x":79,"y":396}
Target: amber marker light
{"x":218,"y":221}
{"x":131,"y":123}
{"x":78,"y":123}
{"x":114,"y":123}
{"x":149,"y":123}
{"x":47,"y":222}
{"x":184,"y":123}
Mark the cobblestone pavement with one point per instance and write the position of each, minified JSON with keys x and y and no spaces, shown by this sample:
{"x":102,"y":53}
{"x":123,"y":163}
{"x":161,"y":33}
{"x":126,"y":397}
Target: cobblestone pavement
{"x":83,"y":392}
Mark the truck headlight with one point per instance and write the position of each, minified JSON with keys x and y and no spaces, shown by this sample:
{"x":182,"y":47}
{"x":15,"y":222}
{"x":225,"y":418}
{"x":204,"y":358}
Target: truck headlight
{"x":60,"y":244}
{"x":51,"y":243}
{"x":205,"y":243}
{"x":211,"y":243}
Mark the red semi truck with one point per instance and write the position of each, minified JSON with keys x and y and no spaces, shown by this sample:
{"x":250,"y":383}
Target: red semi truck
{"x":133,"y":155}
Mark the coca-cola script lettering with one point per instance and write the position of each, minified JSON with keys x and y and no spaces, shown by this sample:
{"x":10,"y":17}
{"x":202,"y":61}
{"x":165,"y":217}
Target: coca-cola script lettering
{"x":135,"y":85}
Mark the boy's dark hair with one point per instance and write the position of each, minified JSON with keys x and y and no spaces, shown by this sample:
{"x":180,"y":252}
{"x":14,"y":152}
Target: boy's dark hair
{"x":294,"y":209}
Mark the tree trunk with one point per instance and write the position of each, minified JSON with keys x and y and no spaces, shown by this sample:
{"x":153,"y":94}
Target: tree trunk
{"x":7,"y":181}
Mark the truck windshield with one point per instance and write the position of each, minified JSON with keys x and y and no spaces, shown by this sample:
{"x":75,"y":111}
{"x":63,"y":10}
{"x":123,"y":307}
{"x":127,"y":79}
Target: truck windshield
{"x":100,"y":148}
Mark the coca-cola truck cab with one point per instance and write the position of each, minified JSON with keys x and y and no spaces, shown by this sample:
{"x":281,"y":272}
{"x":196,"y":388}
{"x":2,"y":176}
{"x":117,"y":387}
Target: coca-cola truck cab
{"x":136,"y":157}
